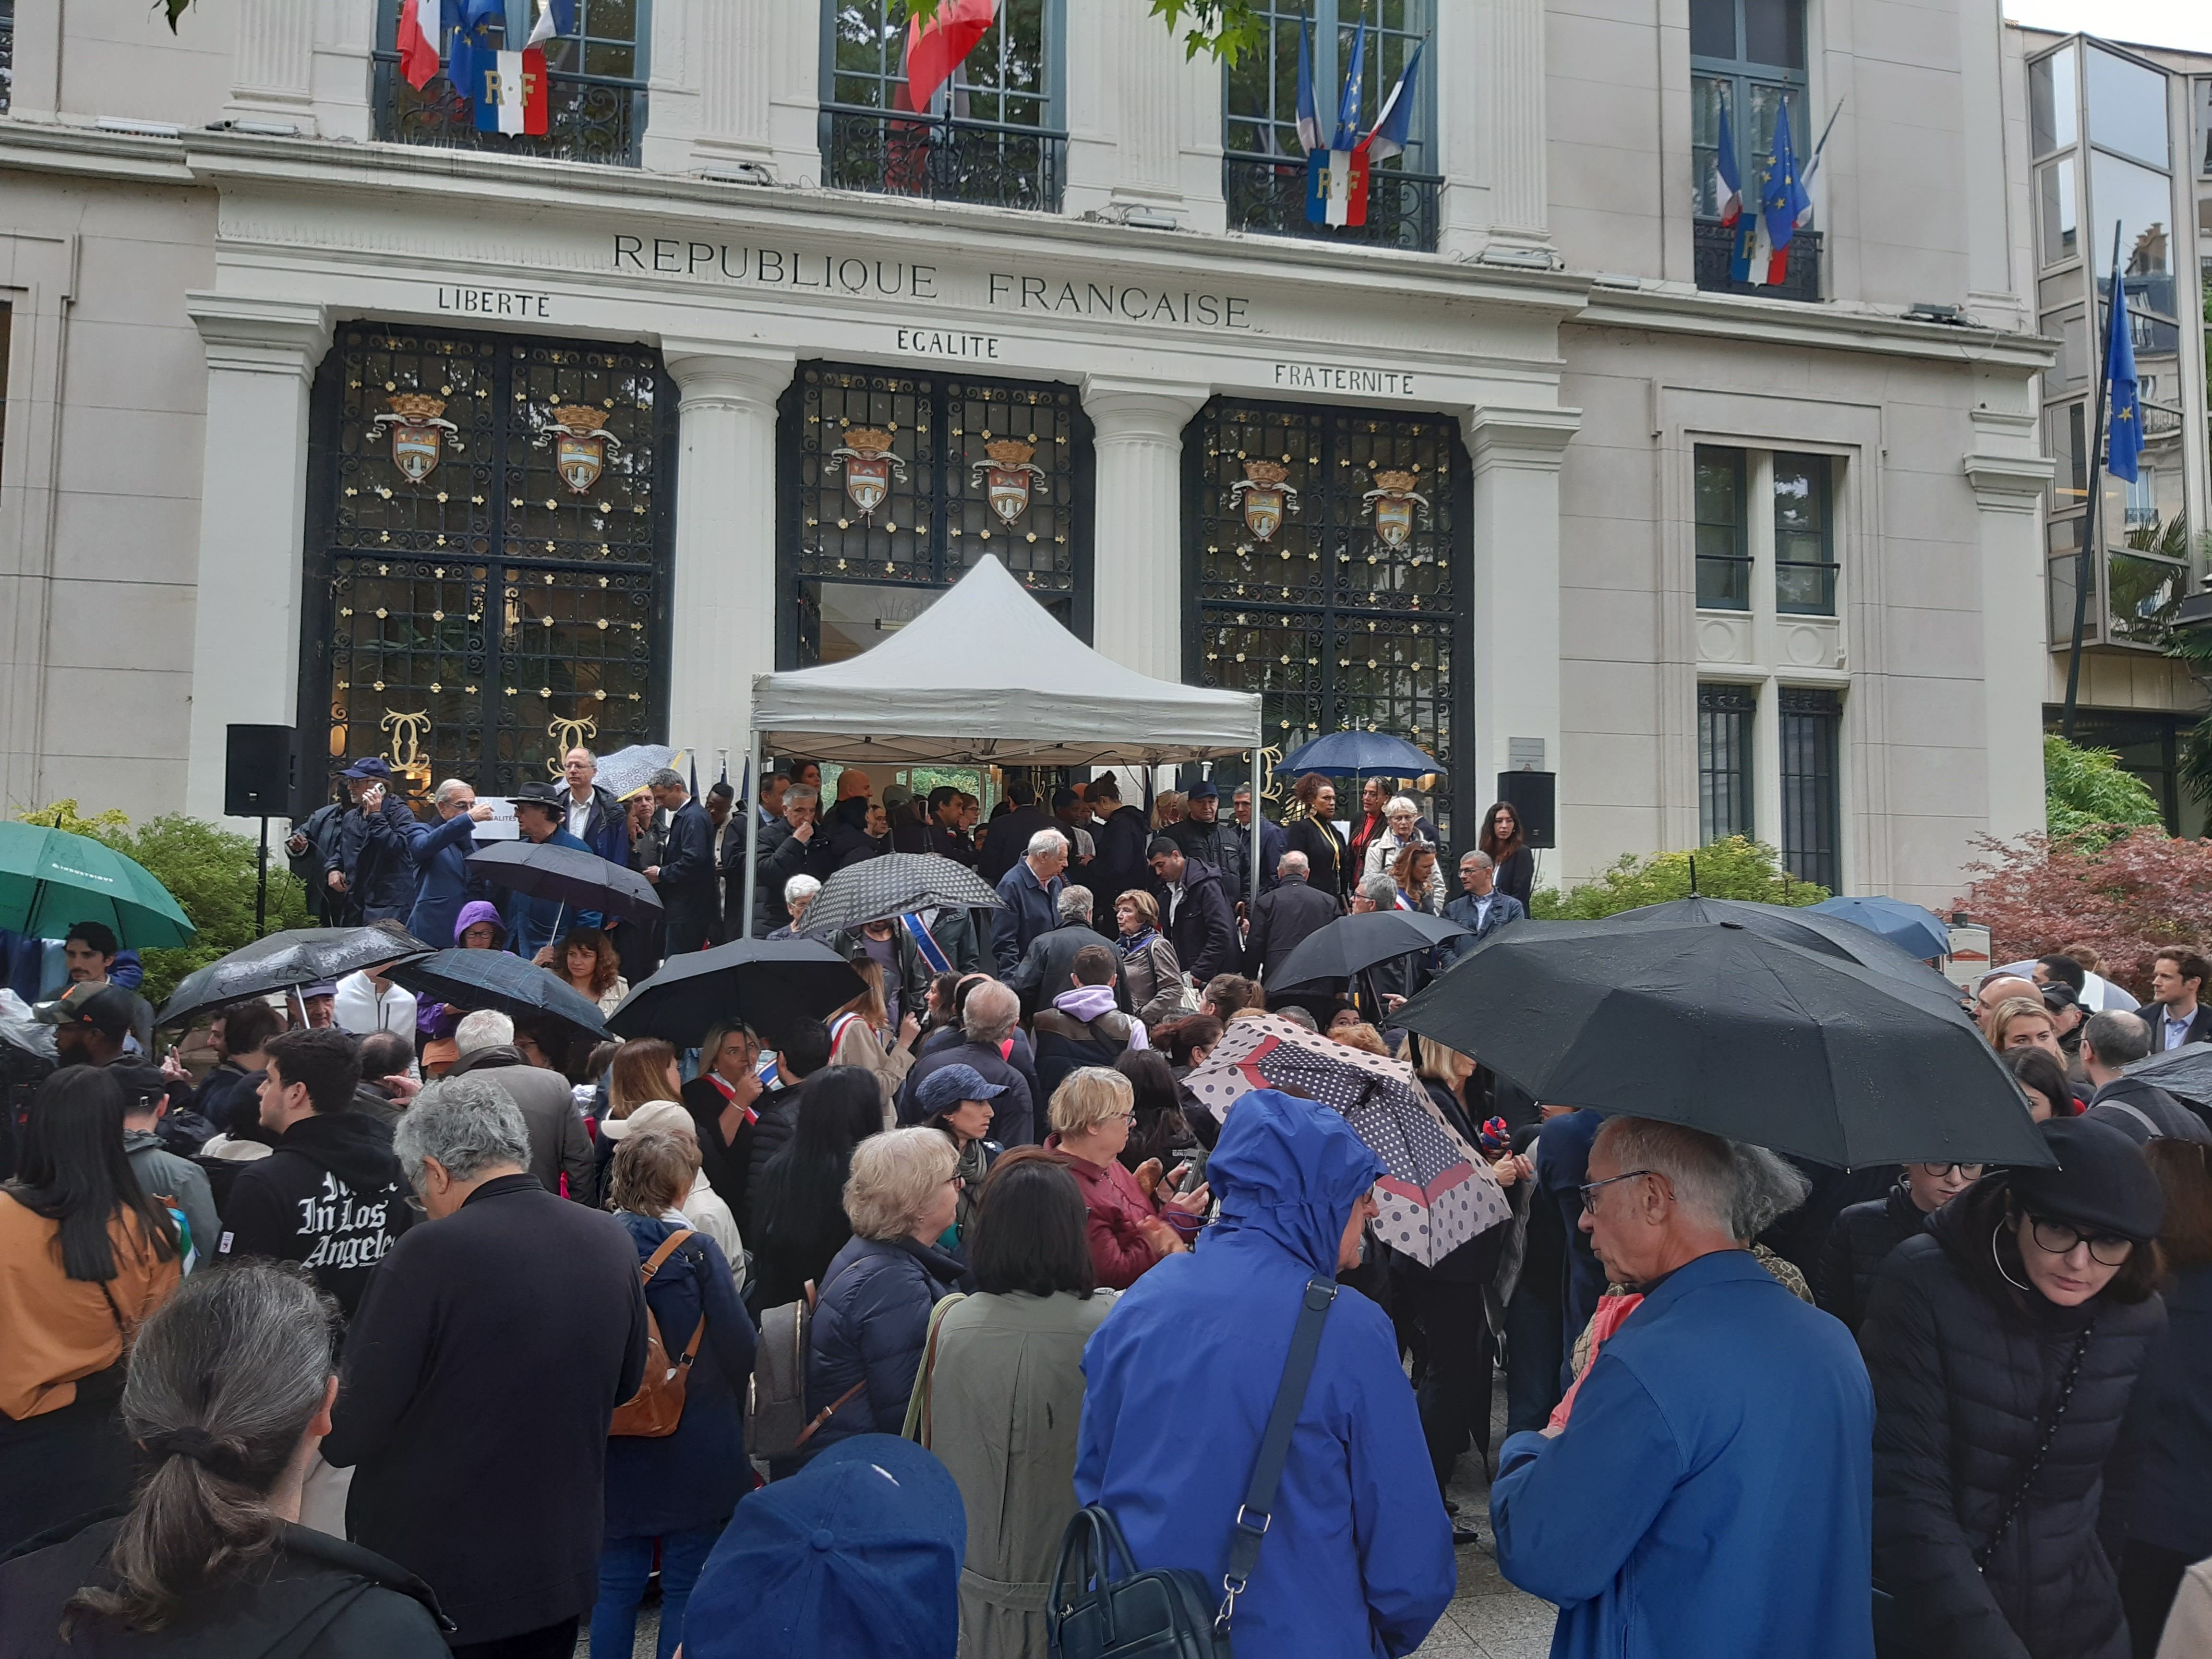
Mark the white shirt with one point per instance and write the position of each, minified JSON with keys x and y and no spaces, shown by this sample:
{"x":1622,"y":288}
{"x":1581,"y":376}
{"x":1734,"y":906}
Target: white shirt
{"x":361,"y":1007}
{"x":1174,"y":899}
{"x":1482,"y":910}
{"x":580,"y":815}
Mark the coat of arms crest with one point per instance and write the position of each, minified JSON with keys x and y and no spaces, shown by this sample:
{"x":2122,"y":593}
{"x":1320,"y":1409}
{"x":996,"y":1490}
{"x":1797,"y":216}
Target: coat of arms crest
{"x":1265,"y":495}
{"x":579,"y":445}
{"x":416,"y":429}
{"x":869,"y":467}
{"x":1007,"y":477}
{"x":1394,"y":502}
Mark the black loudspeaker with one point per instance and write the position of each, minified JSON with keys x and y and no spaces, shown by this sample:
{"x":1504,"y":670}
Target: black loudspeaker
{"x":257,"y":772}
{"x":1532,"y":795}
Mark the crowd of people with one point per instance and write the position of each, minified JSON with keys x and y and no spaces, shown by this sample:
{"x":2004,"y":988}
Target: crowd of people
{"x":406,"y":1329}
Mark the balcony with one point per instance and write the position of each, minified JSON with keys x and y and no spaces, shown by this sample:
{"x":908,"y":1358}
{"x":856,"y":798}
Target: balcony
{"x":1267,"y":194}
{"x":589,"y":118}
{"x":1716,"y":249}
{"x":939,"y":159}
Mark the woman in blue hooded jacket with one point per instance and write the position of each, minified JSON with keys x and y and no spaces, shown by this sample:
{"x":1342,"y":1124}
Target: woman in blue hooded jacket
{"x":1358,"y":1557}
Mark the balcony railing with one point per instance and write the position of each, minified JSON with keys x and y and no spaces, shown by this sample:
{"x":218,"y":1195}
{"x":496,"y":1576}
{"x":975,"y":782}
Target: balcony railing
{"x":890,"y":153}
{"x":589,"y":118}
{"x":1267,"y":194}
{"x":1715,"y":253}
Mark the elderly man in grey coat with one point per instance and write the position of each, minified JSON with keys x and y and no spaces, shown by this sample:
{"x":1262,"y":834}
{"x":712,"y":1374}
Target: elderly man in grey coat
{"x":1031,"y":890}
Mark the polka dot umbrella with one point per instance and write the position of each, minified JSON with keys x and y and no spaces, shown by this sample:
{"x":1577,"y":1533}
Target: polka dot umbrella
{"x":1436,"y":1193}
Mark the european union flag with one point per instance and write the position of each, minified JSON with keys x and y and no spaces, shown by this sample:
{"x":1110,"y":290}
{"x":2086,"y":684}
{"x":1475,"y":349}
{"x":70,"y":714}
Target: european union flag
{"x":2124,"y":440}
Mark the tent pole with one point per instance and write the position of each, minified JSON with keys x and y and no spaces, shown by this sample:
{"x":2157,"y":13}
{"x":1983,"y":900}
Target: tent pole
{"x":1252,"y":896}
{"x":752,"y":830}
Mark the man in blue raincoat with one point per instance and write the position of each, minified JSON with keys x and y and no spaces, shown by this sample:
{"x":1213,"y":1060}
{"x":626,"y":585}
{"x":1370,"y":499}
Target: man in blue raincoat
{"x":1711,"y":1491}
{"x":1358,"y":1559}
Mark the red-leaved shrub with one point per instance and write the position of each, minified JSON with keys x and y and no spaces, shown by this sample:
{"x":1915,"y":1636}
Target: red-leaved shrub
{"x":2126,"y":900}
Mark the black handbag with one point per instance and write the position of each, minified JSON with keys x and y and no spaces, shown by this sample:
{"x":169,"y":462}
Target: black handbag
{"x":1102,"y":1607}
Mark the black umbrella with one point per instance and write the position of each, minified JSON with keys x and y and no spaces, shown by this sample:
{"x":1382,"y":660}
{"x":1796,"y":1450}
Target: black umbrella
{"x":578,"y":879}
{"x":2185,"y":1072}
{"x":1725,"y":1030}
{"x":896,"y":884}
{"x":297,"y":957}
{"x":1349,"y":944}
{"x":767,"y":983}
{"x":493,"y":979}
{"x":1829,"y":935}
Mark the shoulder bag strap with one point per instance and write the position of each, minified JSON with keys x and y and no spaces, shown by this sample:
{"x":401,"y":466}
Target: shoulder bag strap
{"x":2137,"y":1112}
{"x":1251,"y":1518}
{"x":2042,"y":1449}
{"x":654,"y":1262}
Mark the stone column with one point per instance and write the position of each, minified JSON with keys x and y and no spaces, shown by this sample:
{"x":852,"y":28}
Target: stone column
{"x":1516,"y":597}
{"x":724,"y":606}
{"x":262,"y":356}
{"x":2015,"y":655}
{"x":274,"y":65}
{"x":1519,"y":196}
{"x":1136,"y":608}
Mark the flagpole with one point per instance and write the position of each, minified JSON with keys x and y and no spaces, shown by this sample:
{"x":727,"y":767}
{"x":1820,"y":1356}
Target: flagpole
{"x":2084,"y":571}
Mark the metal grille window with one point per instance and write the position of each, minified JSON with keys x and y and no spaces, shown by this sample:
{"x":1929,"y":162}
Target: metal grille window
{"x":1319,"y":550}
{"x":1724,"y":716}
{"x":993,"y":132}
{"x":1264,"y":165}
{"x":1811,"y":786}
{"x":596,"y":82}
{"x":1748,"y":55}
{"x":1724,"y":547}
{"x":895,"y":483}
{"x":488,"y":559}
{"x":1804,"y":540}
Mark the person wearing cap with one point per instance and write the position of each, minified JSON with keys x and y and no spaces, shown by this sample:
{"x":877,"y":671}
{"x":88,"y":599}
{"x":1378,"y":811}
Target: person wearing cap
{"x":955,"y":1101}
{"x":371,"y":872}
{"x":94,"y":957}
{"x":319,"y":1005}
{"x":858,"y":1553}
{"x":177,"y":1181}
{"x":1205,"y":838}
{"x":91,"y":1024}
{"x":533,"y":923}
{"x":2034,"y":1286}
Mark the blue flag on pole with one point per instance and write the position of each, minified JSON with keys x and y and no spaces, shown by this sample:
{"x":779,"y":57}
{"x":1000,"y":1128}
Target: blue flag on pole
{"x":1347,"y":108}
{"x":2123,"y":439}
{"x":1785,"y":206}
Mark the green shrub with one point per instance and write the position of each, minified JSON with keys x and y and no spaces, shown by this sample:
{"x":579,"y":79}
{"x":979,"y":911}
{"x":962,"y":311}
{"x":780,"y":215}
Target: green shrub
{"x":1736,"y":868}
{"x":2087,"y":797}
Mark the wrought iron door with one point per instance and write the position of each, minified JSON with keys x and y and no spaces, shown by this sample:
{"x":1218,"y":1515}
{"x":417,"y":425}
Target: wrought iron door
{"x":489,"y":534}
{"x":894,"y":483}
{"x":1321,"y":550}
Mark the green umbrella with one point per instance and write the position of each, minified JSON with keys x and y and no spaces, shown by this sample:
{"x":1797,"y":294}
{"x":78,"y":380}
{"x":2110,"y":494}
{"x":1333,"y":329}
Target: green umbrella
{"x":50,"y":880}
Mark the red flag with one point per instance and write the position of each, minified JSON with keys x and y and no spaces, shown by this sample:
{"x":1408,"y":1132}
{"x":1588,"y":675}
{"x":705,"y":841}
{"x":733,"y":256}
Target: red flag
{"x":935,"y":49}
{"x":420,"y":26}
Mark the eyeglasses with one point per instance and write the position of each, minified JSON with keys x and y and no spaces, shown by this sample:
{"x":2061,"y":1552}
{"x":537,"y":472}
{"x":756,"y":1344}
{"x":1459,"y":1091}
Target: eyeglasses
{"x":2058,"y":1238}
{"x":1943,"y":1171}
{"x":1588,"y":1192}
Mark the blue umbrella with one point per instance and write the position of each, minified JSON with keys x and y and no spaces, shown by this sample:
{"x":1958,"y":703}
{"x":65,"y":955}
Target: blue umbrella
{"x":1913,"y":928}
{"x":1346,"y":754}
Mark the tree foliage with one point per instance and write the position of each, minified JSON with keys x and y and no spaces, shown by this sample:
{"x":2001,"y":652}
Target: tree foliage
{"x":2087,"y":797}
{"x":2123,"y":898}
{"x":1736,"y":868}
{"x":208,"y":871}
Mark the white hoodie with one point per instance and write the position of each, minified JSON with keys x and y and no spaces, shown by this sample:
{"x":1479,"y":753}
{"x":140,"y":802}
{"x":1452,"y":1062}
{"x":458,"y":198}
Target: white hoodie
{"x":705,"y":1209}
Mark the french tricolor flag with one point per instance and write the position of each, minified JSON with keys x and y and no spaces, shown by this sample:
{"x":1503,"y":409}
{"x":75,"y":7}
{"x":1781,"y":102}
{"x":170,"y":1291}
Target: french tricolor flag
{"x":1727,"y":184}
{"x":510,"y":96}
{"x":422,"y":27}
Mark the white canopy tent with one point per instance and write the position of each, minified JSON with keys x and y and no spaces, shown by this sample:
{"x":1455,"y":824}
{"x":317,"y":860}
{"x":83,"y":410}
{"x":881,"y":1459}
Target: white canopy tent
{"x":986,"y":677}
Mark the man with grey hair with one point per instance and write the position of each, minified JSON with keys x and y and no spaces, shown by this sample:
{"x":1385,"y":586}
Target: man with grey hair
{"x":594,"y":815}
{"x":1031,"y":890}
{"x":481,"y":1374}
{"x":988,"y":1020}
{"x":1046,"y":964}
{"x":2136,"y":1106}
{"x":686,"y":874}
{"x":1479,"y":908}
{"x":798,"y":893}
{"x":443,"y":883}
{"x":558,"y":1145}
{"x":1288,"y":914}
{"x":785,"y":850}
{"x":1691,"y":1502}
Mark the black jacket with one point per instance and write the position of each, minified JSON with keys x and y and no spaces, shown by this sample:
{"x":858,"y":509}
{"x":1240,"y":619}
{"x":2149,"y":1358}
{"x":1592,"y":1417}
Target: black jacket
{"x":689,"y":879}
{"x":2167,"y":1448}
{"x":480,"y":1376}
{"x":1966,"y":1369}
{"x":1285,"y":918}
{"x":778,"y":1118}
{"x":2167,"y":1116}
{"x":376,"y":851}
{"x":331,"y":1197}
{"x":726,"y":1164}
{"x":1204,"y":930}
{"x":1859,"y":1239}
{"x":1006,"y":839}
{"x":1516,"y":873}
{"x":1045,"y":967}
{"x":1118,"y":866}
{"x":1327,"y":862}
{"x":781,"y":856}
{"x":849,"y":840}
{"x":315,"y":1598}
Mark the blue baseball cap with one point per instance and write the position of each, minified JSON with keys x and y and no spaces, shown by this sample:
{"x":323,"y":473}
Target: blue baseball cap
{"x":1204,"y":789}
{"x":945,"y":1088}
{"x":369,"y":765}
{"x":859,"y":1553}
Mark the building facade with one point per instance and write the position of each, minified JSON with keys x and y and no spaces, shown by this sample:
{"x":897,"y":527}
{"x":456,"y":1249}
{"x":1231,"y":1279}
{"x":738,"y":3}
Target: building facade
{"x":325,"y":409}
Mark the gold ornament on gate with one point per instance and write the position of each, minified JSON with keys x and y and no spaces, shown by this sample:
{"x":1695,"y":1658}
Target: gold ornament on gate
{"x":415,"y":427}
{"x":869,"y":467}
{"x":1394,"y":502}
{"x":567,"y":735}
{"x":405,"y":753}
{"x":1266,"y":498}
{"x":579,"y":447}
{"x":1006,"y":476}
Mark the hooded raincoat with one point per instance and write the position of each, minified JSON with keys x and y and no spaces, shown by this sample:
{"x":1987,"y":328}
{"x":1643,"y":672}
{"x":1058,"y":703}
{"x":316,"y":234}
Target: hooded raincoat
{"x":1359,"y":1553}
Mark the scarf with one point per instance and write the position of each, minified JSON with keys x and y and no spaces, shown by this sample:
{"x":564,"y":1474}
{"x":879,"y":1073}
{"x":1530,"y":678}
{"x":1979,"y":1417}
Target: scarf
{"x":1131,"y":944}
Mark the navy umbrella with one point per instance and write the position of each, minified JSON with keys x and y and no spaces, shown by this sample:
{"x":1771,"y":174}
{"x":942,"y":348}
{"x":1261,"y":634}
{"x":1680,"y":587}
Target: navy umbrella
{"x":767,"y":983}
{"x":1811,"y":927}
{"x":1725,"y":1030}
{"x":580,"y":879}
{"x":287,"y":960}
{"x":1345,"y":946}
{"x":493,"y":979}
{"x":1913,"y":928}
{"x":1351,"y":754}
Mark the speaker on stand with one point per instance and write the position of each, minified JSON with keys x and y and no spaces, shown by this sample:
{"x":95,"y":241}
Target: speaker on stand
{"x":1533,"y":797}
{"x":260,"y":776}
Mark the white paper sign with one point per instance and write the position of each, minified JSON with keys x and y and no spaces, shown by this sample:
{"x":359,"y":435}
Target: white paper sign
{"x":500,"y":826}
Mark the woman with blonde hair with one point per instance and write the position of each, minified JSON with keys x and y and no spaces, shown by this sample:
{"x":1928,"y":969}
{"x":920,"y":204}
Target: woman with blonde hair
{"x":1149,"y":969}
{"x":860,"y":1034}
{"x":645,"y":1092}
{"x":2024,"y":1023}
{"x":1169,"y":807}
{"x":871,"y":1319}
{"x":1132,"y":1225}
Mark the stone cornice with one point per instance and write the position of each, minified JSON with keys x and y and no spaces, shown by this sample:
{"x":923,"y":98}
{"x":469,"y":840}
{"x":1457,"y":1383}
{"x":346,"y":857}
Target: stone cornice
{"x":1832,"y":326}
{"x":50,"y":147}
{"x":2012,"y":483}
{"x":260,"y":336}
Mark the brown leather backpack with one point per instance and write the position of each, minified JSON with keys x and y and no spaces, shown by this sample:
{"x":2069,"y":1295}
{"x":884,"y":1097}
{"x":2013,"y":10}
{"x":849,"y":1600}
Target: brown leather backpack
{"x":653,"y":1412}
